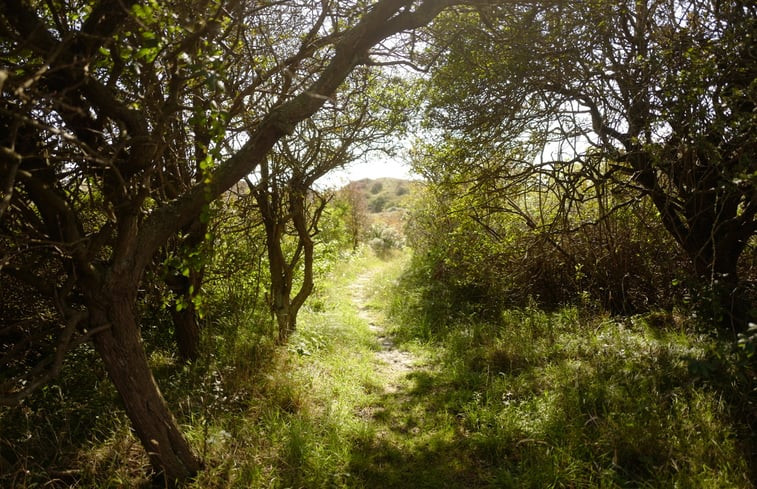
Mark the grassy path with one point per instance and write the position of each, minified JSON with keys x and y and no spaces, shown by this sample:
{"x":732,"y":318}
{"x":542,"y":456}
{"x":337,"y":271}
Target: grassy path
{"x":407,"y":449}
{"x":393,"y":364}
{"x":388,"y":425}
{"x":540,"y":400}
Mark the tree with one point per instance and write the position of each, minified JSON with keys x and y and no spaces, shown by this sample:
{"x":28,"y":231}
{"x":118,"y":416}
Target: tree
{"x":655,"y":97}
{"x":287,"y":201}
{"x":95,"y":142}
{"x":497,"y":241}
{"x":288,"y":206}
{"x":357,"y":214}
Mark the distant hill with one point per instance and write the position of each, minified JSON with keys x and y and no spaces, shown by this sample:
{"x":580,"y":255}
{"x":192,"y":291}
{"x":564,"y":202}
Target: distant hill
{"x":385,"y":194}
{"x":387,"y":200}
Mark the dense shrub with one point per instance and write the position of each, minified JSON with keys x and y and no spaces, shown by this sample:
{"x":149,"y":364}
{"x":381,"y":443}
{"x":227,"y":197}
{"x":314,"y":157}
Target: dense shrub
{"x":623,"y":261}
{"x":378,"y":204}
{"x":384,"y":239}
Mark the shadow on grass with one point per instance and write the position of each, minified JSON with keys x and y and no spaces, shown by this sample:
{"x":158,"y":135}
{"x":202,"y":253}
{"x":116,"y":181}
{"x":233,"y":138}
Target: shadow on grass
{"x":418,"y":441}
{"x":613,"y":419}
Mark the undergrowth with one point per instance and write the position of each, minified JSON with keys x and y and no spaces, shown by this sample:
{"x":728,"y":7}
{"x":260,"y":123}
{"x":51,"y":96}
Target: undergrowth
{"x":256,"y":414}
{"x":531,"y":399}
{"x":570,"y":399}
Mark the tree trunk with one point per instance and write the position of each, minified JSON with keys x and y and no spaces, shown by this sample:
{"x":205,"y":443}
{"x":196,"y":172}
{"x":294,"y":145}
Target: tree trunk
{"x":186,"y":327}
{"x":186,"y":321}
{"x":713,"y":235}
{"x":718,"y":270}
{"x":126,"y":363}
{"x":281,"y":287}
{"x":285,"y":307}
{"x":285,"y":320}
{"x":186,"y":331}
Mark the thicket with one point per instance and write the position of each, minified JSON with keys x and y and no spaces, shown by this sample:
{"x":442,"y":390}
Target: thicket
{"x":532,"y":288}
{"x":577,"y":347}
{"x":614,"y":120}
{"x":484,"y":253}
{"x":584,"y":160}
{"x":72,"y":432}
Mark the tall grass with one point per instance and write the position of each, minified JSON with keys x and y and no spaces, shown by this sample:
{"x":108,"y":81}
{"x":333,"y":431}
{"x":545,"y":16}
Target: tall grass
{"x":531,"y":399}
{"x":563,"y":399}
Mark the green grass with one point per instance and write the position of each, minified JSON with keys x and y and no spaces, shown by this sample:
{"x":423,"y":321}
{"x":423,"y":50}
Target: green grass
{"x":307,"y":412}
{"x":559,"y":400}
{"x":531,"y":400}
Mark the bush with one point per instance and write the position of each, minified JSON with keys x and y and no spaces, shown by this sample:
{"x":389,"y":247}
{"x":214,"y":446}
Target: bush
{"x":378,"y":204}
{"x":383,"y":240}
{"x":624,"y":262}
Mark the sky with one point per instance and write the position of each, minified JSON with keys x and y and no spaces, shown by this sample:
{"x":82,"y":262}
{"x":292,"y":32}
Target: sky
{"x":375,"y":167}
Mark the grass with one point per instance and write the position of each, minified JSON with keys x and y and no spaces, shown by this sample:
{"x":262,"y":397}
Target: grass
{"x":531,"y":400}
{"x":302,"y":423}
{"x":560,"y":400}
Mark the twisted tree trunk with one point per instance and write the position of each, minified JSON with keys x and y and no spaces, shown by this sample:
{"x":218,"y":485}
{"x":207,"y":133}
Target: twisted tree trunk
{"x":125,"y":360}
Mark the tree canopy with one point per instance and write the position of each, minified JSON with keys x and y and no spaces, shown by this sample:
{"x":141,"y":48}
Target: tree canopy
{"x":654,"y":98}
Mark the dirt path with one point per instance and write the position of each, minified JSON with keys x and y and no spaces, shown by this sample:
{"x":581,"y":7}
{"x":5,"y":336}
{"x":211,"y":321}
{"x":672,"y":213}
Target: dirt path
{"x":394,"y":363}
{"x":413,"y":438}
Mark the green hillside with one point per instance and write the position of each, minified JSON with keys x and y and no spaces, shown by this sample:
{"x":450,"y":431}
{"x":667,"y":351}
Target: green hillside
{"x":386,"y":194}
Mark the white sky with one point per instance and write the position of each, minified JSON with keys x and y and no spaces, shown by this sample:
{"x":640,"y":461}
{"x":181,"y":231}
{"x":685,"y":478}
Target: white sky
{"x":370,"y":168}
